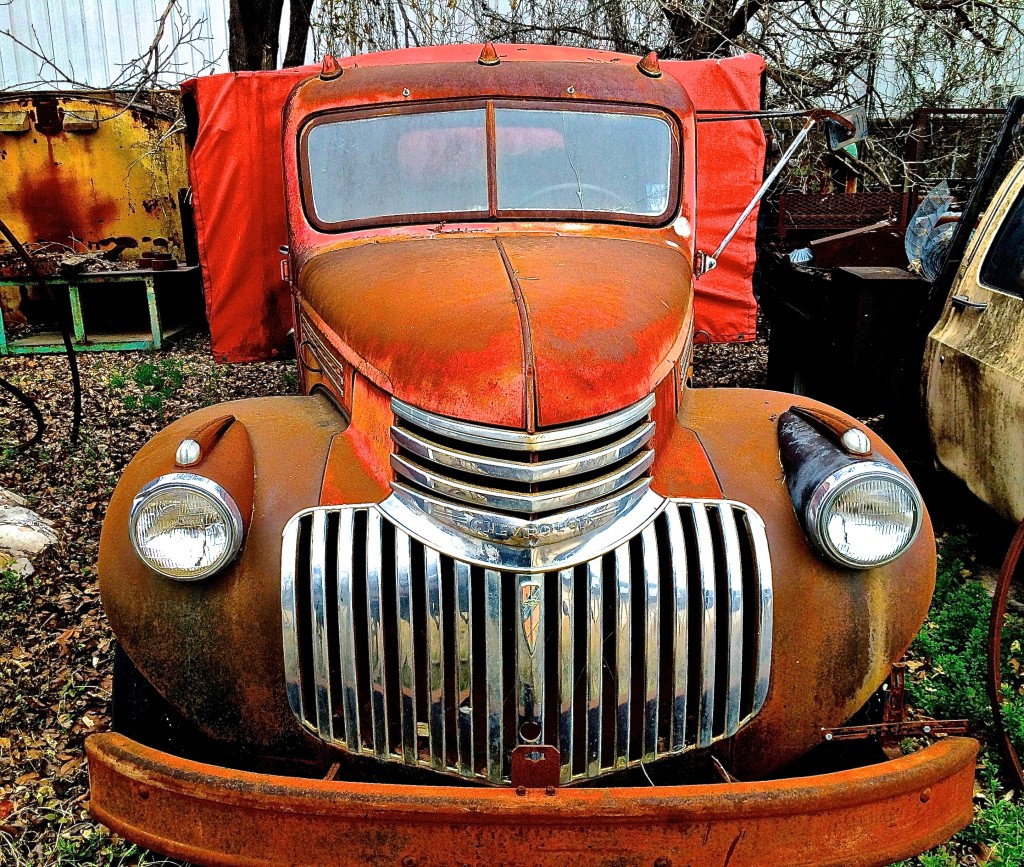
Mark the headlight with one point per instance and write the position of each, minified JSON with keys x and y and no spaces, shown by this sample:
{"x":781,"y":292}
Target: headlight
{"x":865,"y":514}
{"x":185,"y":526}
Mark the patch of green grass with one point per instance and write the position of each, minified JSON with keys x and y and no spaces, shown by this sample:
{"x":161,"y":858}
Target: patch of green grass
{"x":290,"y":378}
{"x":953,"y":644}
{"x":14,"y":593}
{"x":949,"y":683}
{"x":95,"y":848}
{"x":212,"y":385}
{"x":158,"y":380}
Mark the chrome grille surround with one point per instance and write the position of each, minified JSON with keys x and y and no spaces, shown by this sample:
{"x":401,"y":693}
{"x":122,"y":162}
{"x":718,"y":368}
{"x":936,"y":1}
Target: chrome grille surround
{"x":654,"y":646}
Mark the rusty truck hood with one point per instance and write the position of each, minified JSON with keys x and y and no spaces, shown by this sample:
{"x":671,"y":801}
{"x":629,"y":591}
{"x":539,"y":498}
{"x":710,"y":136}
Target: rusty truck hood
{"x":520,"y":331}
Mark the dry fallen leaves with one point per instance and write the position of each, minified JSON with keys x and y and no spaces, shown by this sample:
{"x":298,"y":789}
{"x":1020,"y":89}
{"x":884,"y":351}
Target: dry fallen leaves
{"x":55,"y":645}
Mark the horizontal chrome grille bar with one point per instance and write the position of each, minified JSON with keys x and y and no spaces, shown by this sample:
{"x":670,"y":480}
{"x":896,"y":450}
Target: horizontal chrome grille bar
{"x":505,"y":438}
{"x":530,"y":504}
{"x":516,"y":471}
{"x":401,"y":651}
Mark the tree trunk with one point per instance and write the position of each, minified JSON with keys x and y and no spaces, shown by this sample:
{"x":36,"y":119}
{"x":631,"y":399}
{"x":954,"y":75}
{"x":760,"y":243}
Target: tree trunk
{"x":720,"y":23}
{"x":298,"y":32}
{"x":253,"y":26}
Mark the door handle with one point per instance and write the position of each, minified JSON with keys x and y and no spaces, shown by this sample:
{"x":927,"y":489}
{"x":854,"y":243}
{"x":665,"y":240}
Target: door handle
{"x":962,"y":302}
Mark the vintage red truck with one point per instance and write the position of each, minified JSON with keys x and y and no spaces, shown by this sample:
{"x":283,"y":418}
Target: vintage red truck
{"x":501,"y":586}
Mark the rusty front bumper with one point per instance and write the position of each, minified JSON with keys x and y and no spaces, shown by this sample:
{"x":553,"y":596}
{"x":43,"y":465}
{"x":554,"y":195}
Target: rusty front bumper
{"x":870,"y":815}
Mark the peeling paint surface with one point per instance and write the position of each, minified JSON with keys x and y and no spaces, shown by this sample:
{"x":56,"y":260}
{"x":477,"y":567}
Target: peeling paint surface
{"x":91,"y":184}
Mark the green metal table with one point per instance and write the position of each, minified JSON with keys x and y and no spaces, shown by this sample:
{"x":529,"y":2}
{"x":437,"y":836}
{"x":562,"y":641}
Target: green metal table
{"x":83,"y":341}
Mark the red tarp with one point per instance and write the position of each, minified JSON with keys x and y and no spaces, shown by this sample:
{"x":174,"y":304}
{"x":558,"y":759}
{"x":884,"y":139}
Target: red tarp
{"x":238,"y":191}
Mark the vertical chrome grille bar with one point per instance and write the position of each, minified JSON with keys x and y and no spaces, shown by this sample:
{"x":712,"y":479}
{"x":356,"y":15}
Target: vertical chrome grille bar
{"x":318,"y":615}
{"x":464,"y":668}
{"x":346,"y":630}
{"x":766,"y":606}
{"x":566,"y":669}
{"x":734,"y":664}
{"x":375,"y":623}
{"x":708,"y":636}
{"x":623,"y":654}
{"x":406,"y":649}
{"x":435,"y":658}
{"x":493,"y":661}
{"x":680,"y":644}
{"x":530,"y":656}
{"x":652,"y":640}
{"x":595,"y":665}
{"x":289,"y":618}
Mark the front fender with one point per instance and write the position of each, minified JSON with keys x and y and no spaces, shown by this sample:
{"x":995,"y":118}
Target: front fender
{"x":837,"y":631}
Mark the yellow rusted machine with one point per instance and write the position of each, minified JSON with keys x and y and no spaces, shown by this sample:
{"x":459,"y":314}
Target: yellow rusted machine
{"x":85,"y":170}
{"x":96,"y":172}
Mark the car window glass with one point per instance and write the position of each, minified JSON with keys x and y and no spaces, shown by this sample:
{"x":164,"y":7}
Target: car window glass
{"x":421,"y":163}
{"x":1004,"y":264}
{"x":582,"y":161}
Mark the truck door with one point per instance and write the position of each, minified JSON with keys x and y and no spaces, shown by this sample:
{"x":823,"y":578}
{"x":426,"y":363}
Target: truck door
{"x":974,"y":360}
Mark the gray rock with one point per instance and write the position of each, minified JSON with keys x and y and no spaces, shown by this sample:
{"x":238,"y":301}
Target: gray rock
{"x":9,"y":498}
{"x":24,"y":532}
{"x":18,"y":565}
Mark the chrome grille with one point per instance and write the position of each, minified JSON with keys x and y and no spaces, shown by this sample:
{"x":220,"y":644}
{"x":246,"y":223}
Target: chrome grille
{"x":396,"y":650}
{"x":521,"y":473}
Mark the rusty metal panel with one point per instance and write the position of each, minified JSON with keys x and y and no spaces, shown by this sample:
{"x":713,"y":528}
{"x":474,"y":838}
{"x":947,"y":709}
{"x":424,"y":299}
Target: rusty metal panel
{"x":974,"y":374}
{"x":90,"y":174}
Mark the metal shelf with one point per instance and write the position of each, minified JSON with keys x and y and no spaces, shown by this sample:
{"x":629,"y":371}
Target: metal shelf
{"x":85,"y":340}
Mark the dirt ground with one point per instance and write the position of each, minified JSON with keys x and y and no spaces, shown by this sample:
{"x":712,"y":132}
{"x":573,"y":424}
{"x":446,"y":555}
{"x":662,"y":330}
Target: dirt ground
{"x":55,"y":645}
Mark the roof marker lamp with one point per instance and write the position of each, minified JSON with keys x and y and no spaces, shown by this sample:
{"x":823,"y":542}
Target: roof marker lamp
{"x":185,"y":526}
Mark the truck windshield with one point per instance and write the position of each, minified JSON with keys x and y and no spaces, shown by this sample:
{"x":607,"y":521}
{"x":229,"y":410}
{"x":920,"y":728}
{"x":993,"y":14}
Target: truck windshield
{"x":547,"y":163}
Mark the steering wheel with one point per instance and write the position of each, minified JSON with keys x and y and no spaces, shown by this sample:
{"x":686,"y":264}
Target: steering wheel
{"x":613,"y":197}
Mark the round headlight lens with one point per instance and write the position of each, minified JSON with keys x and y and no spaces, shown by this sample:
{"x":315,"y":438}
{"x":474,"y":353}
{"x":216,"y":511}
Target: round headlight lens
{"x":865,"y":514}
{"x":185,"y":526}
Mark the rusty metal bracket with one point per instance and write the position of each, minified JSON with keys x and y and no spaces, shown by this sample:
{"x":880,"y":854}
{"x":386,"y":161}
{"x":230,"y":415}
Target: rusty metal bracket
{"x":895,"y":710}
{"x":895,"y":725}
{"x":535,"y":767}
{"x":907,"y":729}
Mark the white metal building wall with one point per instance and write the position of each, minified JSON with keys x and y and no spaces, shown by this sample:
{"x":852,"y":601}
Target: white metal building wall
{"x":91,"y":41}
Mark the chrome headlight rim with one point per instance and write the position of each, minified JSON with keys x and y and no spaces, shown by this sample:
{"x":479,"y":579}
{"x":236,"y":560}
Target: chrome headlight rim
{"x":223,"y":502}
{"x":836,"y":483}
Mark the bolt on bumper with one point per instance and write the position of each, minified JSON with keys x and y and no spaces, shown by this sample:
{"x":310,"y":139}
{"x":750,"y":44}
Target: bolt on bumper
{"x":870,"y":815}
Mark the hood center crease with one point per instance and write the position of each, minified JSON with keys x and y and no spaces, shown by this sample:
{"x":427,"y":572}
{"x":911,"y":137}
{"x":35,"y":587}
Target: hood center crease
{"x":529,"y":362}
